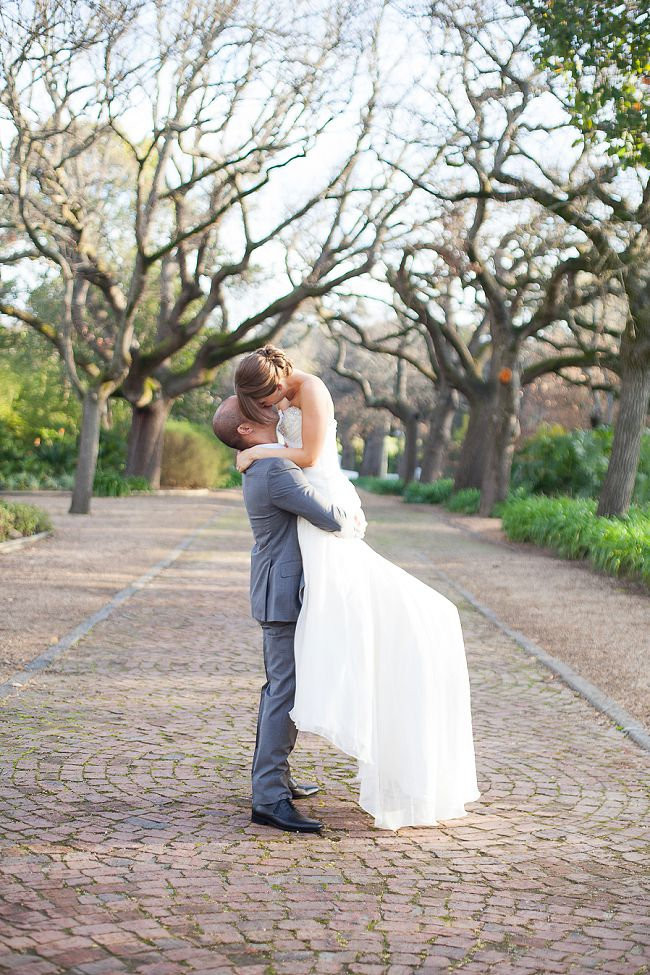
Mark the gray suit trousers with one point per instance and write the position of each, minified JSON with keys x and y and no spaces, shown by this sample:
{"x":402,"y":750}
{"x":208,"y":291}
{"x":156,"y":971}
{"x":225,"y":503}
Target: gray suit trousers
{"x":276,"y":732}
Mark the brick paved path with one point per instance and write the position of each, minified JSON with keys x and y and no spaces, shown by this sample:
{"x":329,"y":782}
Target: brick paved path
{"x":127,"y":844}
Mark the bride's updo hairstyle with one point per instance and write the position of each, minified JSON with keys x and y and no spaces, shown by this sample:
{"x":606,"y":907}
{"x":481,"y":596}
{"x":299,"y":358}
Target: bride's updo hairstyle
{"x":258,"y":376}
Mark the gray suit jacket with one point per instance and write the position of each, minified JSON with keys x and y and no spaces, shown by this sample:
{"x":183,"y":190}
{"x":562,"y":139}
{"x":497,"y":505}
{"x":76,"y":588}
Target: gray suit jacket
{"x":275,"y":491}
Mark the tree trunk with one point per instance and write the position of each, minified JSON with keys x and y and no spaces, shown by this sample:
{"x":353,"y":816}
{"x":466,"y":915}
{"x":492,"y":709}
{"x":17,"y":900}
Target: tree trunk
{"x":374,"y":462}
{"x":93,"y":408}
{"x":438,"y":436}
{"x":348,"y":456}
{"x":348,"y":453}
{"x":504,"y":421}
{"x":146,"y":437}
{"x":409,"y":459}
{"x":618,"y":486}
{"x":473,"y":454}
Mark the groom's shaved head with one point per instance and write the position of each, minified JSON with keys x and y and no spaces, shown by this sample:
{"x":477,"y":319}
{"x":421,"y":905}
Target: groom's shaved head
{"x":237,"y":431}
{"x":226,"y":422}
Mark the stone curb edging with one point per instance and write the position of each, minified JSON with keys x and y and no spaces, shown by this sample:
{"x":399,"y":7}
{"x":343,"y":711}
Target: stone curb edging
{"x":599,"y":700}
{"x":20,"y":678}
{"x":15,"y":543}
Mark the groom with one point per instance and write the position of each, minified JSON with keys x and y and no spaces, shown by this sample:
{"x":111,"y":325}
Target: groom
{"x":275,"y":492}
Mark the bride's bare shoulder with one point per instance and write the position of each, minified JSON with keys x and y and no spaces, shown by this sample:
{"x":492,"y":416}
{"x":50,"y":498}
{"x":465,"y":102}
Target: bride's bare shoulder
{"x":314,"y":393}
{"x":315,"y":386}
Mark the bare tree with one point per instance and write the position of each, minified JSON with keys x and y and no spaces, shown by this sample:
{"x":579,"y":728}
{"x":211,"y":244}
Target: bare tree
{"x":522,"y":268}
{"x":532,"y":158}
{"x":618,"y":249}
{"x":420,"y":396}
{"x":490,"y":360}
{"x":437,"y":440}
{"x":152,"y":184}
{"x":396,"y":402}
{"x":34,"y":184}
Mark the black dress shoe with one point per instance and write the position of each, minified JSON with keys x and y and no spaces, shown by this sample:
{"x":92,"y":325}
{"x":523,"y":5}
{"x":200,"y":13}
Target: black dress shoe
{"x":301,"y":791}
{"x":284,"y":815}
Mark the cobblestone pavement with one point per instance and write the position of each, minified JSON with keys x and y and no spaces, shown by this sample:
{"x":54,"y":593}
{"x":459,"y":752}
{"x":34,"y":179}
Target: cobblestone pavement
{"x":85,"y":562}
{"x":125,"y":823}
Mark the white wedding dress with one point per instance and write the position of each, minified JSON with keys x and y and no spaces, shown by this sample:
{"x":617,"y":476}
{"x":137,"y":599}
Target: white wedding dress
{"x":380,"y":666}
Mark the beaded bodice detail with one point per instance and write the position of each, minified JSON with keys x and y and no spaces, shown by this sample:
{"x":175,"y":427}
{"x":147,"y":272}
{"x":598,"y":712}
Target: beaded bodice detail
{"x":290,"y":426}
{"x":289,"y":429}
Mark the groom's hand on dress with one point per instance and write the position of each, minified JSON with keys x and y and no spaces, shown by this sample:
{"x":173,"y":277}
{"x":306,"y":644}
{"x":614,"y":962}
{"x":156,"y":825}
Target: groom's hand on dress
{"x":354,"y":526}
{"x":360,"y":524}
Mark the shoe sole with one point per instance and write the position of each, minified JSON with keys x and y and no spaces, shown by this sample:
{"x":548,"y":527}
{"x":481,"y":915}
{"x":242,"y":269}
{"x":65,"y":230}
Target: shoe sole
{"x":264,"y":821}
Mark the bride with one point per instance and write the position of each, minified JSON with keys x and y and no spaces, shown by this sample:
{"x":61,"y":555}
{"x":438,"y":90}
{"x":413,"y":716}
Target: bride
{"x":380,"y":661}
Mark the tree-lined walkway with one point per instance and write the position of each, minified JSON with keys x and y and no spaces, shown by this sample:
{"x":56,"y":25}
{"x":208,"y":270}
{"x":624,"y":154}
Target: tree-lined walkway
{"x":125,"y":823}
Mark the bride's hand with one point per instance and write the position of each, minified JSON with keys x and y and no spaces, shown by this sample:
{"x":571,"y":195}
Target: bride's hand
{"x":246,"y":457}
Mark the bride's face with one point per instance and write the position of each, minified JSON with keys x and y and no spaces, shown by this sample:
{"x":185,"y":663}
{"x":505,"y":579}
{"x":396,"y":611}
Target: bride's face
{"x":276,"y":397}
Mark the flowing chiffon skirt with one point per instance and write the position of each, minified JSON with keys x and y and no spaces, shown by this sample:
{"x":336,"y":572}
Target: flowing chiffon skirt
{"x":381,"y":673}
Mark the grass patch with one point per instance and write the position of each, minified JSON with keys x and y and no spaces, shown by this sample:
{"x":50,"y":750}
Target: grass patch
{"x":18,"y":520}
{"x":380,"y":485}
{"x":110,"y":484}
{"x":569,"y":526}
{"x":437,"y":492}
{"x":465,"y":502}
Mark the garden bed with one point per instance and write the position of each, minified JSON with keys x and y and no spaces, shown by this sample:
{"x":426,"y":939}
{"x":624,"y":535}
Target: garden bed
{"x":18,"y":520}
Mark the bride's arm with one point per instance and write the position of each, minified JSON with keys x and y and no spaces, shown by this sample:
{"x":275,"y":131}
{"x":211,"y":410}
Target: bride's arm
{"x":314,"y":404}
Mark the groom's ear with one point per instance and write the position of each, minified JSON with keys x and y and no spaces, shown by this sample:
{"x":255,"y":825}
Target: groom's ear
{"x":244,"y":429}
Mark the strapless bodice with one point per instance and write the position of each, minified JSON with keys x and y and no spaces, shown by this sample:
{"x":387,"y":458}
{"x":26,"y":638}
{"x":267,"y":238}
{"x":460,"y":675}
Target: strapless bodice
{"x":325,"y":474}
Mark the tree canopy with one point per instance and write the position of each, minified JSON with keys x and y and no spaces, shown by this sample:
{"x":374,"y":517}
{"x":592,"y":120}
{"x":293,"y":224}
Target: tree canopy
{"x":604,"y":48}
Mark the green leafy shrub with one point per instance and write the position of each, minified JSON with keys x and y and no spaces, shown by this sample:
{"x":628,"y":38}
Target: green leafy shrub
{"x":110,"y":484}
{"x":464,"y":502}
{"x":112,"y":449}
{"x":55,"y":454}
{"x":48,"y":461}
{"x":17,"y":519}
{"x":380,"y":485}
{"x":31,"y":461}
{"x":619,"y":546}
{"x":514,"y":494}
{"x":19,"y":482}
{"x":62,"y":482}
{"x":556,"y":461}
{"x":35,"y":396}
{"x":435,"y":493}
{"x":193,"y":457}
